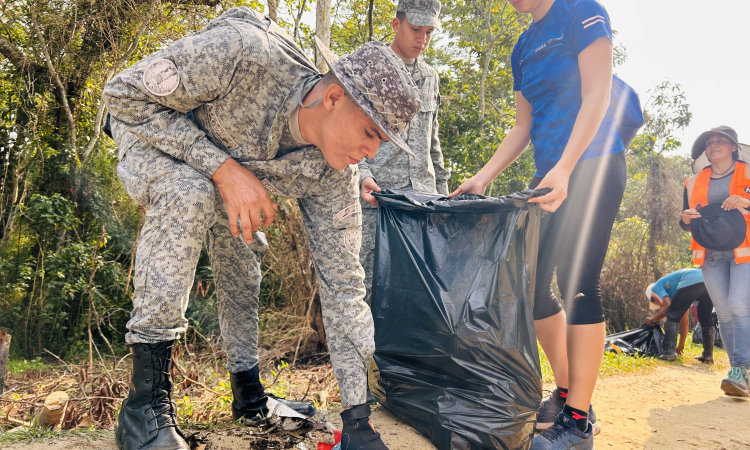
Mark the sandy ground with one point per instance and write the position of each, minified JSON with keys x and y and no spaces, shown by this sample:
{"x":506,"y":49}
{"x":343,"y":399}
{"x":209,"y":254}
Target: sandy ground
{"x":670,"y":408}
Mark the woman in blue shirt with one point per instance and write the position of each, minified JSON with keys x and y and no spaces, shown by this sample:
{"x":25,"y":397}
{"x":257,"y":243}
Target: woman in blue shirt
{"x":562,"y":70}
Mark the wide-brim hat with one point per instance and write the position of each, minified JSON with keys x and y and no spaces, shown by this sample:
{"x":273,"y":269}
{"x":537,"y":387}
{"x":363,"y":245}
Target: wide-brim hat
{"x":378,"y":82}
{"x":699,"y":146}
{"x":717,"y":229}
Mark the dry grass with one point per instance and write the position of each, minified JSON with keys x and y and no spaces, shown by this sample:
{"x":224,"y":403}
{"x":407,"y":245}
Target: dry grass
{"x":202,"y":391}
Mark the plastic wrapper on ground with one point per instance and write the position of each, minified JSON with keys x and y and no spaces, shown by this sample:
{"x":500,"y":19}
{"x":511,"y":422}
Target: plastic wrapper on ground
{"x":456,"y":354}
{"x":648,"y":341}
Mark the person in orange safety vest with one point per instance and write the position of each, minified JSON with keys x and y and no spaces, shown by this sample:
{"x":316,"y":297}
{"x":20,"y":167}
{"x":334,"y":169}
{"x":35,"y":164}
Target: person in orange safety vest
{"x":726,"y":181}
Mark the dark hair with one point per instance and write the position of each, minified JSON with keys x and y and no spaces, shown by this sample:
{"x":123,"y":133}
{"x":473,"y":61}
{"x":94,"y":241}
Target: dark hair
{"x":736,"y":154}
{"x":329,"y":78}
{"x":401,"y":16}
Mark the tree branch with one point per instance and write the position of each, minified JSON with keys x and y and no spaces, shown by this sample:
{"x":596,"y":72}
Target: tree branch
{"x":60,"y":86}
{"x":15,"y":56}
{"x":100,"y":112}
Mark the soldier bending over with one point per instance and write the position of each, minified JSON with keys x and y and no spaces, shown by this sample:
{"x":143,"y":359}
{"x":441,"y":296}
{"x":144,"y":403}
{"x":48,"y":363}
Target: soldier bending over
{"x":206,"y":129}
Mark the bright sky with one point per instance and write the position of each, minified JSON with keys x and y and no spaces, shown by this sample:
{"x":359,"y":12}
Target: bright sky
{"x":700,"y":45}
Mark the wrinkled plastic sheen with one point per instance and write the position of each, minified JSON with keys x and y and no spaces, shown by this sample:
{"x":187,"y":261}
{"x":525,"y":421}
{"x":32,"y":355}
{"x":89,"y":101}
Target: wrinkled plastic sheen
{"x":646,"y":340}
{"x":456,"y":354}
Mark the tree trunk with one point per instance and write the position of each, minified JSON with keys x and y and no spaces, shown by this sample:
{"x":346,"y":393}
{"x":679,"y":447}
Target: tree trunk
{"x":483,"y":83}
{"x":54,"y":408}
{"x":273,"y":8}
{"x":322,"y":30}
{"x":369,"y":20}
{"x":655,"y":224}
{"x":4,"y":350}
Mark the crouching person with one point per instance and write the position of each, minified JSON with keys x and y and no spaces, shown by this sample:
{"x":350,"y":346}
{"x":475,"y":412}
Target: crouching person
{"x":672,"y":295}
{"x":208,"y":128}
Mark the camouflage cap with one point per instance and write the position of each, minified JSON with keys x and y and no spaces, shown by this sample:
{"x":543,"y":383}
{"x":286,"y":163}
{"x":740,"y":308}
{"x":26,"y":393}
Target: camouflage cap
{"x":421,"y":13}
{"x":376,"y":79}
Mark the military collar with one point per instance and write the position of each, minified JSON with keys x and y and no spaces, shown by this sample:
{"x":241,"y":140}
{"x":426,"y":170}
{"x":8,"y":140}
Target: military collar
{"x":294,"y":127}
{"x":281,"y":121}
{"x":417,"y":74}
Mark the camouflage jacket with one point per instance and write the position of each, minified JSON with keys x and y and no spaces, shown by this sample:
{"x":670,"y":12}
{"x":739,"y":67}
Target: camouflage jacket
{"x":226,"y":91}
{"x":394,"y":169}
{"x":229,"y":91}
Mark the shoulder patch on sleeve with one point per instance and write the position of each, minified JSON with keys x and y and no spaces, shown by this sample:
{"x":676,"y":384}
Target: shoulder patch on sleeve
{"x":161,"y":77}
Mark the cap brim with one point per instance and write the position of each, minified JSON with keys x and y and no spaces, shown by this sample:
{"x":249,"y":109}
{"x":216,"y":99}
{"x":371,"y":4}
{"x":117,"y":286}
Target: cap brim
{"x":422,"y":20}
{"x":362,"y":103}
{"x":699,"y":146}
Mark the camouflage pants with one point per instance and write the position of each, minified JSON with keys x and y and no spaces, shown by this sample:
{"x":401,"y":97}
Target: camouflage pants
{"x":367,"y":253}
{"x":185,"y":209}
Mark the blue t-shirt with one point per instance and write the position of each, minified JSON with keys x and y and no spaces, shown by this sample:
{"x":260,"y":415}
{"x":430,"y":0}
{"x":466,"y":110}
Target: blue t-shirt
{"x":545,"y":70}
{"x":670,"y":284}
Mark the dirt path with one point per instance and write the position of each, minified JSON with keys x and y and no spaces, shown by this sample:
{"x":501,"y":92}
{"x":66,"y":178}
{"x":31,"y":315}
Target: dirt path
{"x":670,"y":408}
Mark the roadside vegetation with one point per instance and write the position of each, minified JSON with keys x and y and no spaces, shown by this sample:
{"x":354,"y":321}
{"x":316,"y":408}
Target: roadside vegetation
{"x":69,"y":231}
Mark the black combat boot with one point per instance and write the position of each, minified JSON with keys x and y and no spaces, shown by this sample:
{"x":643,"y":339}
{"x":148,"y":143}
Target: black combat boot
{"x":709,"y":335}
{"x":147,"y":417}
{"x":249,"y":398}
{"x":670,"y":341}
{"x":358,"y":433}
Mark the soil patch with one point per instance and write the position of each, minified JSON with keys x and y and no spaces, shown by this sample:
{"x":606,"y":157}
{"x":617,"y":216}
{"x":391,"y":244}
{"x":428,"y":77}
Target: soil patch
{"x":669,"y":408}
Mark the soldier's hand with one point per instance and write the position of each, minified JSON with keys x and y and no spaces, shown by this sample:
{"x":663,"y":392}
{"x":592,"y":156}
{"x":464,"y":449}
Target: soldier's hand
{"x":368,"y":187}
{"x":244,"y":197}
{"x":471,"y":186}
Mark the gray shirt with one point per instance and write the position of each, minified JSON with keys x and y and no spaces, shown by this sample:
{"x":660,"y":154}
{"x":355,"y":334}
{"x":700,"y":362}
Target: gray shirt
{"x":718,"y":188}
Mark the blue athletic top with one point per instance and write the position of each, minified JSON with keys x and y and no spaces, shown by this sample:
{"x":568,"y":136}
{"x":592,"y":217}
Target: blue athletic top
{"x":670,"y":284}
{"x":545,"y":70}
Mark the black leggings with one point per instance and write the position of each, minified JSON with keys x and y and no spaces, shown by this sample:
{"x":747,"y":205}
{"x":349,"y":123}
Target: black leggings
{"x":685,"y":297}
{"x":574,"y":240}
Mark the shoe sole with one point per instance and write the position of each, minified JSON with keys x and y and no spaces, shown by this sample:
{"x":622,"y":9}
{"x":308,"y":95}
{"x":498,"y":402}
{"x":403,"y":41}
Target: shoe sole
{"x":541,"y":426}
{"x":732,"y":389}
{"x":595,"y":427}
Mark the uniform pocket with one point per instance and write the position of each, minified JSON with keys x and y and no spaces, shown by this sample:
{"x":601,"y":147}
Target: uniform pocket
{"x":429,"y":99}
{"x":134,"y":181}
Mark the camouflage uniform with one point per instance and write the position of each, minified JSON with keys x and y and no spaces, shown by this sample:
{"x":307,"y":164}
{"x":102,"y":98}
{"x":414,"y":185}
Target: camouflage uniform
{"x":393,"y":169}
{"x":176,"y":116}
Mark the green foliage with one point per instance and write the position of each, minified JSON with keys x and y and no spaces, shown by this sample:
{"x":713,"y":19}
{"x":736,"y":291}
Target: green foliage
{"x":68,"y":228}
{"x":350,"y":27}
{"x":48,"y":436}
{"x":21,"y":366}
{"x":478,"y":38}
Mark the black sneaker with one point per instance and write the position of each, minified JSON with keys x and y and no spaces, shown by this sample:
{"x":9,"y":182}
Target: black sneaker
{"x":564,"y":435}
{"x":552,"y":406}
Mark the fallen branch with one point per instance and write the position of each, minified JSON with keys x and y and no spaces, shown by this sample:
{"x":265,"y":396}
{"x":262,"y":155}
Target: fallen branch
{"x":16,"y":422}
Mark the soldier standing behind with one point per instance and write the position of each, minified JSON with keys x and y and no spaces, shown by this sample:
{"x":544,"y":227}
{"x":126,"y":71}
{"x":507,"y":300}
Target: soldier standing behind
{"x":393,"y":168}
{"x":206,"y":129}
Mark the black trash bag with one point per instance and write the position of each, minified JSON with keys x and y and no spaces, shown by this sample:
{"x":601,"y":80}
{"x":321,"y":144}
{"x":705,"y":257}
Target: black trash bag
{"x":456,"y":355}
{"x":646,"y":340}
